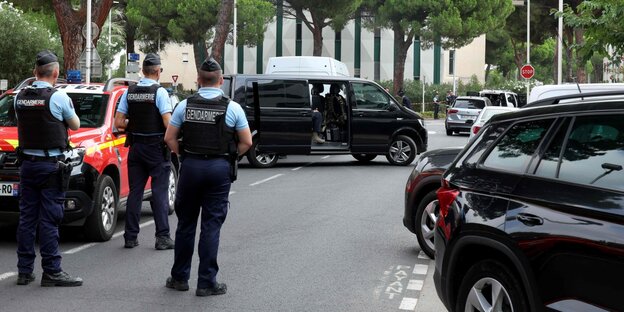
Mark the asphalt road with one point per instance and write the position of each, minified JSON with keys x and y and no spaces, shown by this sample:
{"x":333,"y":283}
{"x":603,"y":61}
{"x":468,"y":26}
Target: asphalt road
{"x":312,"y":234}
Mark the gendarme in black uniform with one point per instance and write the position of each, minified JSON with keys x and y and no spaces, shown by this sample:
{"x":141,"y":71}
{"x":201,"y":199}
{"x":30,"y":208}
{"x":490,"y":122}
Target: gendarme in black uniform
{"x":145,"y":105}
{"x":42,"y":116}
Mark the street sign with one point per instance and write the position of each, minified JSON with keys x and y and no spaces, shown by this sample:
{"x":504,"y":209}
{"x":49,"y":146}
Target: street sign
{"x":527,"y":71}
{"x":175,"y":78}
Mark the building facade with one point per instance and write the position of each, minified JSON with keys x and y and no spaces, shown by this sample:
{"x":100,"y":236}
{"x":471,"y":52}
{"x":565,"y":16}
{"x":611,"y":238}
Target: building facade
{"x":368,"y":54}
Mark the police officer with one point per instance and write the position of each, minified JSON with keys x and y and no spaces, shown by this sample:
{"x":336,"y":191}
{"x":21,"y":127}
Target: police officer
{"x":144,"y":112}
{"x":404,"y":99}
{"x":43,"y":115}
{"x":213,"y":128}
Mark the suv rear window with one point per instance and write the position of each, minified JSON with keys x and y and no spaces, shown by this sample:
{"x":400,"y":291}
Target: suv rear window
{"x":593,"y":155}
{"x":517,"y":146}
{"x":466,"y":103}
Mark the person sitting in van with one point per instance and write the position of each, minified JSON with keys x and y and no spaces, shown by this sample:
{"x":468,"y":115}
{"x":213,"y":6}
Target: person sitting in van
{"x":335,"y":107}
{"x":318,"y":107}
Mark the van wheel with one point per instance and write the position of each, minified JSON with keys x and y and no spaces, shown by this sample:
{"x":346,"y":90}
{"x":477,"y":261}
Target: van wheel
{"x":490,"y":285}
{"x":364,"y":157}
{"x":260,"y":159}
{"x":172,"y":188}
{"x":402,"y":151}
{"x":100,"y":225}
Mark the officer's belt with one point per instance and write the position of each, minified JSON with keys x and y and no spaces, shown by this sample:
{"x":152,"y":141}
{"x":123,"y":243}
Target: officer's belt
{"x":43,"y":158}
{"x":204,"y":156}
{"x":147,"y":139}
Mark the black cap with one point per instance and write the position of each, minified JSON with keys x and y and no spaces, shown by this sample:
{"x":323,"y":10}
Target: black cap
{"x":45,"y":57}
{"x":210,"y":65}
{"x":151,"y":59}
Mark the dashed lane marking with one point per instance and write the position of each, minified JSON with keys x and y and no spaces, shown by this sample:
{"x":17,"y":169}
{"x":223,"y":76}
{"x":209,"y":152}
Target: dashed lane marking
{"x":415,"y":284}
{"x":432,"y":132}
{"x":4,"y":276}
{"x":408,"y":304}
{"x":420,"y":269}
{"x":267,"y":179}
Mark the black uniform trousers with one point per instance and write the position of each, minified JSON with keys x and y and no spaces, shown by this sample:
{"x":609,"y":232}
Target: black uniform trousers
{"x":205,"y":184}
{"x":41,"y":208}
{"x":147,"y":160}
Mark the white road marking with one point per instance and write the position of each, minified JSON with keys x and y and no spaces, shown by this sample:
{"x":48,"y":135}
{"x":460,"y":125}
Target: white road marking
{"x":325,"y":157}
{"x":232,"y":192}
{"x":422,"y":255}
{"x":415,"y":284}
{"x":408,"y":304}
{"x":265,"y":180}
{"x":295,"y":169}
{"x":79,"y":248}
{"x":420,"y":269}
{"x":432,"y":132}
{"x":4,"y":276}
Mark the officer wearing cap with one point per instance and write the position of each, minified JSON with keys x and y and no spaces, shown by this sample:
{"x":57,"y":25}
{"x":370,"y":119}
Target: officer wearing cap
{"x":144,"y":112}
{"x":43,"y":116}
{"x":212,"y":128}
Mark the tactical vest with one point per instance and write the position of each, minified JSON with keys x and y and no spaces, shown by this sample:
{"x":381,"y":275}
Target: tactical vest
{"x":143,"y":114}
{"x":37,"y":128}
{"x":204,"y":130}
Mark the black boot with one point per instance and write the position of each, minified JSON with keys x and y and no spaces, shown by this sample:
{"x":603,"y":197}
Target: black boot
{"x":60,"y":279}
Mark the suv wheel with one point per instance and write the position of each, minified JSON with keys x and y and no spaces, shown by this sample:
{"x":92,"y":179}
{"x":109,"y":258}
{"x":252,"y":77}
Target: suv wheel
{"x":171,"y":189}
{"x":490,"y":286}
{"x":424,"y":222}
{"x":449,"y":131}
{"x":260,"y":159}
{"x":100,"y":225}
{"x":364,"y":157}
{"x":402,"y":151}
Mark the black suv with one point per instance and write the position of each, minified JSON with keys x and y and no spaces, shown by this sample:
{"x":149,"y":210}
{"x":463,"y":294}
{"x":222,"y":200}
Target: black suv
{"x":532,"y":213}
{"x":366,"y":122}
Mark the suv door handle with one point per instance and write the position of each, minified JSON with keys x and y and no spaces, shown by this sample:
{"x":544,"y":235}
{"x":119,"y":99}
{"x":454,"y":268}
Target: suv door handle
{"x":529,"y":219}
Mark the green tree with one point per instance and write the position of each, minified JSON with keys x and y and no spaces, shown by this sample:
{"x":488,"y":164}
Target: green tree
{"x":70,"y":22}
{"x":454,"y":23}
{"x":253,"y":16}
{"x":188,"y":22}
{"x":323,"y":13}
{"x":22,"y":39}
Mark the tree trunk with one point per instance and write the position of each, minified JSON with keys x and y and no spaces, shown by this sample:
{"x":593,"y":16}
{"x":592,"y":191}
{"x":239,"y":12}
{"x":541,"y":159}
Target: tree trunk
{"x":518,"y":58}
{"x":317,"y":33}
{"x":222,"y":30}
{"x":401,"y":45}
{"x":70,"y":23}
{"x":581,"y":72}
{"x":200,"y":51}
{"x":316,"y":28}
{"x":568,"y":50}
{"x":129,"y":29}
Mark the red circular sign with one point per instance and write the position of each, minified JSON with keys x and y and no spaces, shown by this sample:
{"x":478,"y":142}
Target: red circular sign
{"x":527,"y":71}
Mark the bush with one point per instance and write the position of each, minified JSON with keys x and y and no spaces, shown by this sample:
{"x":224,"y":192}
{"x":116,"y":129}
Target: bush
{"x":20,"y":41}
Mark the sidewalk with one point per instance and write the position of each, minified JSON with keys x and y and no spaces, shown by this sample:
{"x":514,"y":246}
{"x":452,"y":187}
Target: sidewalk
{"x":428,"y":300}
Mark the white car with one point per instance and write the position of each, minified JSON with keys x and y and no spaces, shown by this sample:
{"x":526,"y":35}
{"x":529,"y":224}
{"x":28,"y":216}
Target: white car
{"x":485,"y":115}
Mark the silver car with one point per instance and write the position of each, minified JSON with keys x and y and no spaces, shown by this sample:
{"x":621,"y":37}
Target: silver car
{"x":463,"y":113}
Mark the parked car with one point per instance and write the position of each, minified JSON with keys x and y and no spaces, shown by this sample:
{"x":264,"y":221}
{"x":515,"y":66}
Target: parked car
{"x":485,"y":115}
{"x":98,"y":186}
{"x":532,"y":213}
{"x":365,"y":122}
{"x":421,"y":201}
{"x":462,"y":114}
{"x":502,"y":98}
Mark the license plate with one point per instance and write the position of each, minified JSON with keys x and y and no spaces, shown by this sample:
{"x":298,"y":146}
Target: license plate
{"x":9,"y":189}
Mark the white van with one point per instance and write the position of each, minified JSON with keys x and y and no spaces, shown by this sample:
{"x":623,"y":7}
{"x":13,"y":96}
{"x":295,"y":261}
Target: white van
{"x":548,"y":91}
{"x":307,"y":65}
{"x":502,"y":98}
